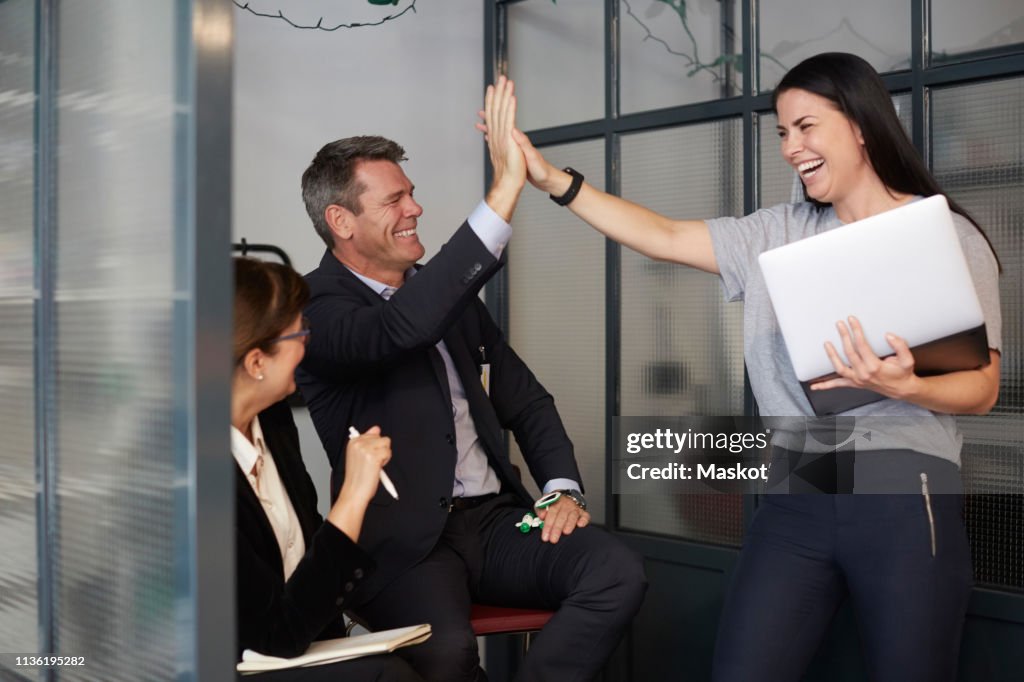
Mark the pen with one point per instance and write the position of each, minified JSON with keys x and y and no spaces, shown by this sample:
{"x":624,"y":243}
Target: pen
{"x":384,"y":480}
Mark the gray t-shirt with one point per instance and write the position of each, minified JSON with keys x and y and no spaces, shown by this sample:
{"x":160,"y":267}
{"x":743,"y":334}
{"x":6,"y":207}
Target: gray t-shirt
{"x":893,"y":423}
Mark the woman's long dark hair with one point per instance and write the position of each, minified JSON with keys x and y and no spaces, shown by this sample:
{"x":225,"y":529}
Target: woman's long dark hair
{"x":859,"y":93}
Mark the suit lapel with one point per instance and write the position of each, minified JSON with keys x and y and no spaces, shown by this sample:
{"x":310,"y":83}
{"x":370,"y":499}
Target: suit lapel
{"x":250,"y":513}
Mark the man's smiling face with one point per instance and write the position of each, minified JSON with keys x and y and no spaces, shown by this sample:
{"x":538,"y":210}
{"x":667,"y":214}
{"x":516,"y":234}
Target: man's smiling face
{"x":383,"y":240}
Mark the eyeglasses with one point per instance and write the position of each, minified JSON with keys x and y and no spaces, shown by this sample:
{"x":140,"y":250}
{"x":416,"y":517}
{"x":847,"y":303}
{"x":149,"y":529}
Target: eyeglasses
{"x":301,"y":334}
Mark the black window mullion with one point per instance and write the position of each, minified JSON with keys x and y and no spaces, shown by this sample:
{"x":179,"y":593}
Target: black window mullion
{"x":919,"y":30}
{"x":751,"y":150}
{"x":613,"y":254}
{"x":495,"y":64}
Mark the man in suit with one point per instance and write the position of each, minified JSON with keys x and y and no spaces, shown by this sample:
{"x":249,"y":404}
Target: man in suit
{"x":414,"y":350}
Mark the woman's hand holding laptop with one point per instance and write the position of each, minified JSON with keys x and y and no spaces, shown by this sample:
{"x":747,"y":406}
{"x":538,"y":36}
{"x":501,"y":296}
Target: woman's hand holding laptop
{"x":892,"y":376}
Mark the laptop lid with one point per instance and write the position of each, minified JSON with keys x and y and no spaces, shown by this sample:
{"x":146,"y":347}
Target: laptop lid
{"x":902,"y":271}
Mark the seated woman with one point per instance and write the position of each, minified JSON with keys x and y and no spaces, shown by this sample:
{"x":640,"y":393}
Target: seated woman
{"x":294,"y":571}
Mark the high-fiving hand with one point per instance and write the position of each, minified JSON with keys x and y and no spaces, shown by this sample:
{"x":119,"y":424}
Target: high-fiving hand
{"x":539,"y":172}
{"x":499,"y":115}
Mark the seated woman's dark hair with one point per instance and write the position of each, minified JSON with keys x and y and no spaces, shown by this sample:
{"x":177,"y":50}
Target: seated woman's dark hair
{"x":268,"y":298}
{"x":859,"y":93}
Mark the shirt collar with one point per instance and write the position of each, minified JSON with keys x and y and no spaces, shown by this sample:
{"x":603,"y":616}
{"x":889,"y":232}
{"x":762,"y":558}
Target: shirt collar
{"x":385,"y":291}
{"x":245,"y":453}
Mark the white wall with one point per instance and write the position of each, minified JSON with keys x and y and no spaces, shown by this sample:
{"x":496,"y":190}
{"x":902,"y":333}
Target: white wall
{"x":417,"y":79}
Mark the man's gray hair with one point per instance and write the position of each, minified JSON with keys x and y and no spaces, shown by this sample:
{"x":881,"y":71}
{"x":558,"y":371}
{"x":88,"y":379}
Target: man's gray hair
{"x":330,"y":178}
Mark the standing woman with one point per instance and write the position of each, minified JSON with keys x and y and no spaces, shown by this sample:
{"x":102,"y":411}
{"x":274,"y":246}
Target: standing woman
{"x":294,"y":570}
{"x":903,"y":560}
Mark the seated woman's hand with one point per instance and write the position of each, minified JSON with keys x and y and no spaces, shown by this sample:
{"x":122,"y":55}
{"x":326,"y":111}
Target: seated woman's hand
{"x":365,"y":455}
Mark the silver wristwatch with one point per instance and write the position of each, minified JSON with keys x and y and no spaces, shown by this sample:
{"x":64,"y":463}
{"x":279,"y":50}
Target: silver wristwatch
{"x":577,"y":497}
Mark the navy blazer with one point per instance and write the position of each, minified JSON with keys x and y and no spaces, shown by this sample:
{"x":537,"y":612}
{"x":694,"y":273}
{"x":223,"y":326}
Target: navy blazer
{"x":275,"y":617}
{"x":374,"y":362}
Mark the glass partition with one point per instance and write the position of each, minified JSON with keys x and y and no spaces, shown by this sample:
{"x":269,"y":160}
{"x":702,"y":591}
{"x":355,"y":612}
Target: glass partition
{"x":113,"y":390}
{"x":557,"y":57}
{"x":974,"y":29}
{"x":978,"y":158}
{"x":105,"y":234}
{"x":791,"y":31}
{"x":675,"y":54}
{"x":19,"y":491}
{"x":557,"y":315}
{"x":682,"y":345}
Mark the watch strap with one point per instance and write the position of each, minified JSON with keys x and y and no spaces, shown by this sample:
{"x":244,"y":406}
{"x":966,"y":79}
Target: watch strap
{"x":574,"y":188}
{"x":576,"y":496}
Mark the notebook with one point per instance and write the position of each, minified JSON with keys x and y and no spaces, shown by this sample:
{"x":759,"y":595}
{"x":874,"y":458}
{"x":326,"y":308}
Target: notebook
{"x":334,"y":650}
{"x":901,"y":271}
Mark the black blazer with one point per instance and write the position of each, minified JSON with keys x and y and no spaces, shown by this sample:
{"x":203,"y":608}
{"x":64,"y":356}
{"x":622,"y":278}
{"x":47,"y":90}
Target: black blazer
{"x":371,"y":361}
{"x":275,"y":617}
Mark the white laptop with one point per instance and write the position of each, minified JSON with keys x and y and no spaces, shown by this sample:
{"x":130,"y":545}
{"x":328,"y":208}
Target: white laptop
{"x":901,"y":271}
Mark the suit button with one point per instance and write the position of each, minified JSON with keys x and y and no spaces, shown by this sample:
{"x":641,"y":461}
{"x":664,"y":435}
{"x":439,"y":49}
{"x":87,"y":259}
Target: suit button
{"x":358,"y":573}
{"x":348,"y":587}
{"x":450,"y":438}
{"x":443,"y":503}
{"x":339,"y":601}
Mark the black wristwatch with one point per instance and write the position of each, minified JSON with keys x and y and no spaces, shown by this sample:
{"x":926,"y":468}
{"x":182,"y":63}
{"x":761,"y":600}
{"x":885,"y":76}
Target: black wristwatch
{"x":576,"y":496}
{"x":574,"y":188}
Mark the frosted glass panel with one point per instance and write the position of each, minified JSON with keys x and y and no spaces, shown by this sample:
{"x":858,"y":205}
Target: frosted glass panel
{"x":19,"y":573}
{"x":557,"y":313}
{"x":792,"y":30}
{"x":673,"y":55}
{"x":115,"y":555}
{"x":116,"y":204}
{"x":556,"y":57}
{"x":977,"y":155}
{"x":978,"y":26}
{"x":978,"y":158}
{"x":681,"y":343}
{"x":17,"y":139}
{"x":778,"y":182}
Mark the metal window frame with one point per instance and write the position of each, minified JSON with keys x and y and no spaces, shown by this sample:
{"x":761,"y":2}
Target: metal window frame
{"x":44,"y":332}
{"x":205,"y":504}
{"x":918,"y":81}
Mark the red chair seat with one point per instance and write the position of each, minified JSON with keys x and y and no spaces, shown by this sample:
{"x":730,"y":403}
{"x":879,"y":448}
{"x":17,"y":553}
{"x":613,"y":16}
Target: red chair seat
{"x":493,"y":620}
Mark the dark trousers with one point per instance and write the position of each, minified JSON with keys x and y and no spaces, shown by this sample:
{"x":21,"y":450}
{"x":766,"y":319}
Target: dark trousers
{"x":594,"y":582}
{"x":368,"y":669}
{"x":805,"y":554}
